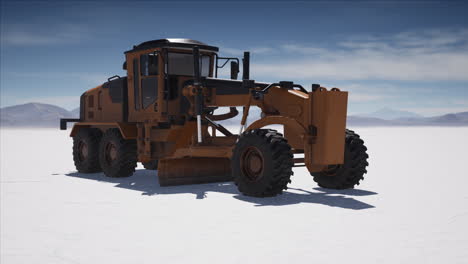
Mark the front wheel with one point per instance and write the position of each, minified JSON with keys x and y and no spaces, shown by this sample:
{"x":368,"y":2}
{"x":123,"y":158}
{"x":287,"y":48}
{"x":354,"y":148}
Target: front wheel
{"x":262,"y":163}
{"x":350,"y":173}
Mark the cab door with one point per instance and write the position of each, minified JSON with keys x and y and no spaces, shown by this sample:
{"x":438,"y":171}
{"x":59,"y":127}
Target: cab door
{"x":144,"y":86}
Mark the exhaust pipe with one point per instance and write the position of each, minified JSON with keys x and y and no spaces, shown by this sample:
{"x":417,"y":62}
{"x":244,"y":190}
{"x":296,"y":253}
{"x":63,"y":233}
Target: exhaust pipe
{"x":246,"y":66}
{"x":199,"y":95}
{"x":246,"y":83}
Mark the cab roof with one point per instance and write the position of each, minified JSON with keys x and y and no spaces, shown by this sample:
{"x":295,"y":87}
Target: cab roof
{"x":172,"y":43}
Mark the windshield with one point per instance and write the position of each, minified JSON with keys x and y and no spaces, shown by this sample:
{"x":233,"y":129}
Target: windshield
{"x":182,"y":64}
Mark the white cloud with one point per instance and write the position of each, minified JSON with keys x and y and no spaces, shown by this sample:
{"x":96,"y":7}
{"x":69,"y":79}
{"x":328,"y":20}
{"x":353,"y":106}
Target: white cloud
{"x":89,"y":78}
{"x":240,"y":52}
{"x":261,"y":50}
{"x":461,"y":102}
{"x":434,"y":111}
{"x":431,"y":38}
{"x":359,"y":97}
{"x":309,"y":50}
{"x":26,"y":35}
{"x":230,"y":51}
{"x":359,"y":93}
{"x":429,"y":55}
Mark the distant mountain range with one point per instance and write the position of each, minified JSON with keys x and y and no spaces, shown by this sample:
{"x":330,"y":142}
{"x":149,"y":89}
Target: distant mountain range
{"x":33,"y":115}
{"x":391,"y":114}
{"x":46,"y":115}
{"x":455,"y":119}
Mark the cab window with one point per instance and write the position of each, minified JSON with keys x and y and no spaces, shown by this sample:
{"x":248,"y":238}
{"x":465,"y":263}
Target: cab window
{"x":149,"y":79}
{"x":182,"y":64}
{"x":149,"y":64}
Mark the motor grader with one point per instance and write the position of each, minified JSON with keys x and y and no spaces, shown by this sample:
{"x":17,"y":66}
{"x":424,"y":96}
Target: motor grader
{"x":163,"y":114}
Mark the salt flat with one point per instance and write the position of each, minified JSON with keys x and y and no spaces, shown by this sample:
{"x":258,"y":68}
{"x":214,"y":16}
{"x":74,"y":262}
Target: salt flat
{"x":411,"y":208}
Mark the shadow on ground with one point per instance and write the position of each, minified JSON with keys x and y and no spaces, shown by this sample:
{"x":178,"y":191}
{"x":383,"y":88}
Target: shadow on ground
{"x":146,"y":181}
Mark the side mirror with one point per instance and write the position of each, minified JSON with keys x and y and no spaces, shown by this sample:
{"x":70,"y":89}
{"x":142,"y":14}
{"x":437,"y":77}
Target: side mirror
{"x":234,"y":70}
{"x":124,"y":66}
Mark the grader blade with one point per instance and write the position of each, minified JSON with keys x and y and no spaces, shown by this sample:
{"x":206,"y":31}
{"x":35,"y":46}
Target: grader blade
{"x":193,"y":171}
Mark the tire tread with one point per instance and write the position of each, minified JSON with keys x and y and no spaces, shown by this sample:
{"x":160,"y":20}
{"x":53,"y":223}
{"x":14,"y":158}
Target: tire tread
{"x":281,"y":163}
{"x":354,"y":168}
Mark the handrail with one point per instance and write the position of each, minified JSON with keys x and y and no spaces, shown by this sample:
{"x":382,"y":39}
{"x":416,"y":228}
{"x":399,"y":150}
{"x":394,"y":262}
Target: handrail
{"x":232,"y":113}
{"x":115,"y":76}
{"x":224,"y":64}
{"x":282,"y":85}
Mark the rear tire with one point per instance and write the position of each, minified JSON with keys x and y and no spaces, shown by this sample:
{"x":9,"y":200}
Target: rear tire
{"x":117,"y":156}
{"x":262,"y":163}
{"x":86,"y":150}
{"x":349,"y":174}
{"x":152,"y":165}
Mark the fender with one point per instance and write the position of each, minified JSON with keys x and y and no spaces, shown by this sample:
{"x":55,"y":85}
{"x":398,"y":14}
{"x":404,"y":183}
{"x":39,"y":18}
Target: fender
{"x":293,"y":130}
{"x":295,"y":133}
{"x":128,"y":131}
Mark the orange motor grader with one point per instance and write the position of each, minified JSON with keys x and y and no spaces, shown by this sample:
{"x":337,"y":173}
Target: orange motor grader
{"x":162,"y":114}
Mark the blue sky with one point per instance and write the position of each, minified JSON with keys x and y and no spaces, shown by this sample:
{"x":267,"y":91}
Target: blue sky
{"x":405,"y":55}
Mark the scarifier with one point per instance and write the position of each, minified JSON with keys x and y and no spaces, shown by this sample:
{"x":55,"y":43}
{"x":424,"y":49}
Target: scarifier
{"x":163,"y":115}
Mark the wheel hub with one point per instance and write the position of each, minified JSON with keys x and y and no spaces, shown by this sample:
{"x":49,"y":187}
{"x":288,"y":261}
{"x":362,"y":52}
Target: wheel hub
{"x":252,"y":163}
{"x":83,"y":151}
{"x":111,"y":152}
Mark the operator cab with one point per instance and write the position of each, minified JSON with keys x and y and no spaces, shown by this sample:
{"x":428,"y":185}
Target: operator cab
{"x":157,"y":71}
